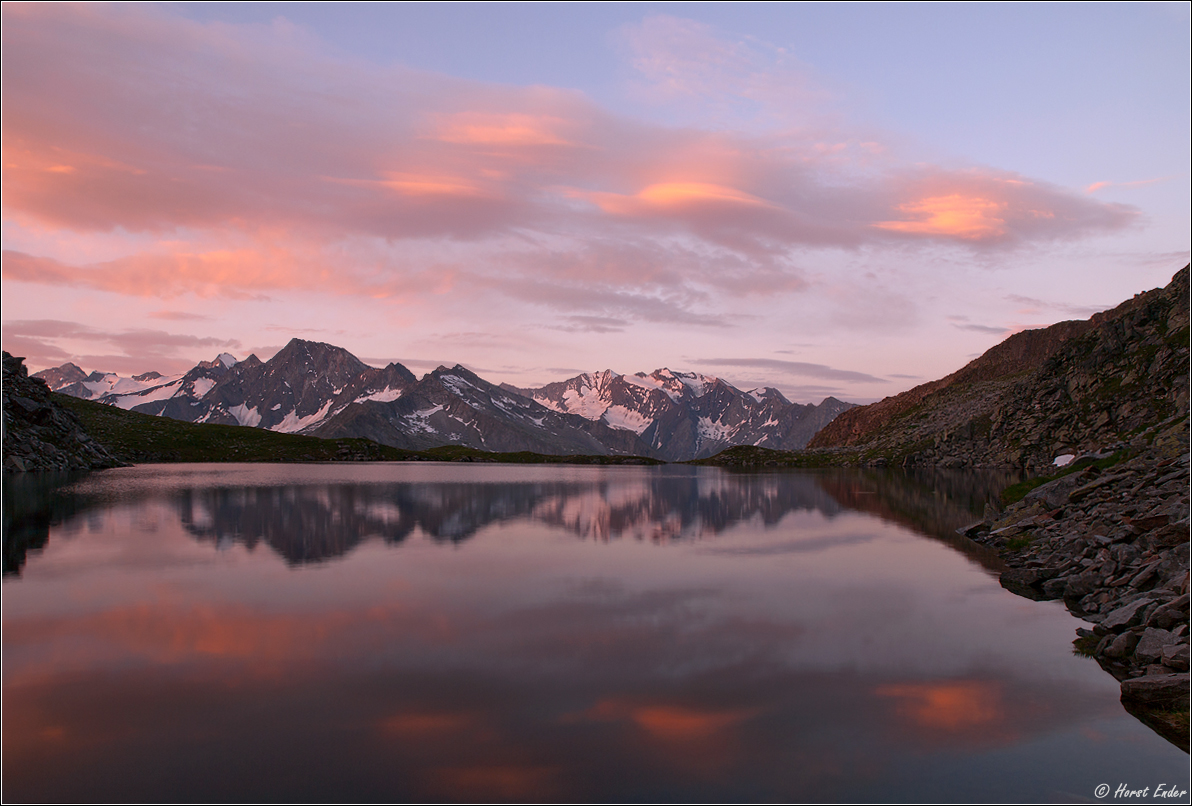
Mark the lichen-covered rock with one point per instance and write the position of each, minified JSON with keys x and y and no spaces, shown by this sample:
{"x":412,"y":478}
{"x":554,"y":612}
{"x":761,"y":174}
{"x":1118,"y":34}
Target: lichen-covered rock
{"x":39,"y":434}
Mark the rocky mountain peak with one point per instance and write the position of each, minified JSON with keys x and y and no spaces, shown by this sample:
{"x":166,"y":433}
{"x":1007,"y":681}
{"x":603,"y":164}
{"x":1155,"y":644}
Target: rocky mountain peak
{"x":305,"y":363}
{"x":58,"y":377}
{"x":768,"y":393}
{"x":680,"y":385}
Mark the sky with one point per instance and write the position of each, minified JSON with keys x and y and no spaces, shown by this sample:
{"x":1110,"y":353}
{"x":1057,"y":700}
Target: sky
{"x":841,"y":200}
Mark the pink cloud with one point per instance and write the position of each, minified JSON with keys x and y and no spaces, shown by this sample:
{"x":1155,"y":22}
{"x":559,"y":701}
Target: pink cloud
{"x":239,"y":274}
{"x":49,"y":342}
{"x":255,"y":162}
{"x":1093,"y":188}
{"x":696,"y":70}
{"x":992,"y":208}
{"x":665,"y":196}
{"x":503,"y":130}
{"x":179,"y":316}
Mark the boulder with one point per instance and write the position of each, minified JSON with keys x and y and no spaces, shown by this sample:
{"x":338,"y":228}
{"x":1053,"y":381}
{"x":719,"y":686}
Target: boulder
{"x":1054,"y":494}
{"x":1127,"y":615}
{"x":1168,"y":690}
{"x":1082,"y":585}
{"x":1176,"y":656}
{"x":1165,"y":617}
{"x":1122,"y":646}
{"x":1150,"y":645}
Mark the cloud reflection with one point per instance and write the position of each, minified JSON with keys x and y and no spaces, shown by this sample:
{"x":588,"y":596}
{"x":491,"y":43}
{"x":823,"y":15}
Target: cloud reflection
{"x":517,"y":666}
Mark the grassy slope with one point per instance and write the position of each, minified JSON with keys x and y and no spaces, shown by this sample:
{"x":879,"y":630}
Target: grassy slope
{"x":135,"y":437}
{"x":748,"y":456}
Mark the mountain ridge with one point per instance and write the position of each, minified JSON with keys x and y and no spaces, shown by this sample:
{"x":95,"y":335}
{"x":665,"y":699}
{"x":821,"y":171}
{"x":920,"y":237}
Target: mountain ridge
{"x":1073,"y":387}
{"x":320,"y":389}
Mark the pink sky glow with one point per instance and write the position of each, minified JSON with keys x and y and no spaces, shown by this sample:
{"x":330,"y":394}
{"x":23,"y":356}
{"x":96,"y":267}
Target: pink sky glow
{"x":174,"y":187}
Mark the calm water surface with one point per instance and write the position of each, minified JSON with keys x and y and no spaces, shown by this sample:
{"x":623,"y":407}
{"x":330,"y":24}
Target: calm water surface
{"x":479,"y":632}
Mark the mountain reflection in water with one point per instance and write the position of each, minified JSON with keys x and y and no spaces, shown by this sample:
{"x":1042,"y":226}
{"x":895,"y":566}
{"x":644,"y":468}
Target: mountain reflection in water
{"x":445,"y":632}
{"x":310,"y":523}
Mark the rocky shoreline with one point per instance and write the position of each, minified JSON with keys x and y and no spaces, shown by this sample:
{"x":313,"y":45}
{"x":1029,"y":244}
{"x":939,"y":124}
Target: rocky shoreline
{"x":41,"y":435}
{"x":1113,"y":544}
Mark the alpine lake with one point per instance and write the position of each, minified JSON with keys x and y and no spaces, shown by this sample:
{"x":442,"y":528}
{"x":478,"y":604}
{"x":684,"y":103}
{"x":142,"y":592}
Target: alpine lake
{"x":479,"y":632}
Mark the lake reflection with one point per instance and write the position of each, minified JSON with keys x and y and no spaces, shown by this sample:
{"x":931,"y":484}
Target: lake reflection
{"x":473,"y":632}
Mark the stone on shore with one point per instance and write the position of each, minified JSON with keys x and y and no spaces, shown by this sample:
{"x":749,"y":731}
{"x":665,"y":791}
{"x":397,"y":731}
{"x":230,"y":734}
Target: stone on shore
{"x":1169,"y":690}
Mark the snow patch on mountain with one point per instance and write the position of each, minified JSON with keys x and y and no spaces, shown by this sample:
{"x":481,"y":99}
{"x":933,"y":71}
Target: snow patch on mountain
{"x":126,"y":402}
{"x":292,"y":423}
{"x":102,"y":386}
{"x":548,"y":403}
{"x":650,"y":382}
{"x":227,"y":359}
{"x":641,"y":379}
{"x":418,"y":420}
{"x":456,"y":384}
{"x":698,"y":384}
{"x":384,"y":396}
{"x":246,"y":416}
{"x":626,"y":419}
{"x":202,"y":386}
{"x":586,"y":402}
{"x":714,"y":431}
{"x":513,"y":406}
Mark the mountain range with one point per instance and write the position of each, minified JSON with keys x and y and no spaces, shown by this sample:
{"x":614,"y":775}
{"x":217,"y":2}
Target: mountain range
{"x":322,"y":390}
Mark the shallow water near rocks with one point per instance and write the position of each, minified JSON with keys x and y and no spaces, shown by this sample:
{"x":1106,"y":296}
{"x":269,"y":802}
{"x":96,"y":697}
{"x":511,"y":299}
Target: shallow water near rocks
{"x":505,"y":632}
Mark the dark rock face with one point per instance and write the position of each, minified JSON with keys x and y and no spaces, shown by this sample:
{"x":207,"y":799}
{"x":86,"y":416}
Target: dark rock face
{"x":302,"y":380}
{"x":58,"y":377}
{"x":38,"y":433}
{"x":1069,"y":388}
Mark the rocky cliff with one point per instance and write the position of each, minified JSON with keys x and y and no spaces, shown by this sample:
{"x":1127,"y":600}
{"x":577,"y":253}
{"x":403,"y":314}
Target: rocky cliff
{"x":1073,"y":387}
{"x":38,"y":433}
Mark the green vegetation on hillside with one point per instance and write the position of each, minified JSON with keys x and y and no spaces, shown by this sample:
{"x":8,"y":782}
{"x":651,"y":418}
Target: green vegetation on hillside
{"x":749,"y":456}
{"x":135,"y":437}
{"x":1016,"y":492}
{"x":460,"y":453}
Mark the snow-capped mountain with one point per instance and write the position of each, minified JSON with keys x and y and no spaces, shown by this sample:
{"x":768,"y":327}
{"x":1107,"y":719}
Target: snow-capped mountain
{"x":456,"y":407}
{"x":141,"y":390}
{"x":684,"y":415}
{"x":323,"y":390}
